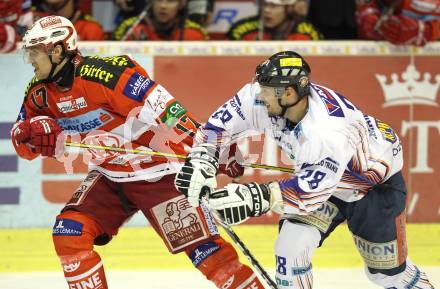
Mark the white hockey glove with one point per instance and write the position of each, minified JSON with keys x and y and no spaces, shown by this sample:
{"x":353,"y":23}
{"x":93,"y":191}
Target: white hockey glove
{"x":237,"y":202}
{"x":197,"y":175}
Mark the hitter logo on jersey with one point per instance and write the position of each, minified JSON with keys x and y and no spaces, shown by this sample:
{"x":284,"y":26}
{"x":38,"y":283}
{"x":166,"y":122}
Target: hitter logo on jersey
{"x":107,"y":76}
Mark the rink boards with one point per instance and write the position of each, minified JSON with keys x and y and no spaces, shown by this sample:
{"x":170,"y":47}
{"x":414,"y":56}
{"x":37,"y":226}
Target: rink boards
{"x":399,"y":85}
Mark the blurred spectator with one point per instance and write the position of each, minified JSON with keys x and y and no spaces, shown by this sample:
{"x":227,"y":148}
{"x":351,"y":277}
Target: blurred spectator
{"x":128,"y":9}
{"x":413,"y":22}
{"x":15,"y":19}
{"x":86,"y":26}
{"x":163,"y":20}
{"x":200,"y":11}
{"x":278,"y":20}
{"x":335,"y":19}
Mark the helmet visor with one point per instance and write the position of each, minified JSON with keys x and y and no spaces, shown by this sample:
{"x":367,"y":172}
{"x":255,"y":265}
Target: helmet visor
{"x":265,"y":93}
{"x":34,"y":53}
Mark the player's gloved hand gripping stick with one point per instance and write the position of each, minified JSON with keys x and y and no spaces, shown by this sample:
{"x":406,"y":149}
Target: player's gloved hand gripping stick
{"x":243,"y":248}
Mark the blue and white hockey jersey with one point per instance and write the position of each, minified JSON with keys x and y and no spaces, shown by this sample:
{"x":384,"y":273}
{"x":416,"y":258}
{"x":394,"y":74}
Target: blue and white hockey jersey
{"x":336,"y":149}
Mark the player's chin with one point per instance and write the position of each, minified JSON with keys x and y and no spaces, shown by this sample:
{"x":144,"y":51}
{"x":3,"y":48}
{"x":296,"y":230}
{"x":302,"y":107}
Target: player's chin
{"x":269,"y":23}
{"x":39,"y":75}
{"x":274,"y":112}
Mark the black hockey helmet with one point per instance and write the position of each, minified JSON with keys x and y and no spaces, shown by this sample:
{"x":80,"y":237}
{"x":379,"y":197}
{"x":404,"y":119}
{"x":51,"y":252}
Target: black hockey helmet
{"x":284,"y":69}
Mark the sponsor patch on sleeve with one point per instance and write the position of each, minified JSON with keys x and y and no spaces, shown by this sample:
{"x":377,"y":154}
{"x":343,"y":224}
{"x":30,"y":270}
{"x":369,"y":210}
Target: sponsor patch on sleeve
{"x":387,"y":132}
{"x":158,"y":99}
{"x":67,"y":227}
{"x":172,"y":113}
{"x":136,"y":87}
{"x":331,"y":104}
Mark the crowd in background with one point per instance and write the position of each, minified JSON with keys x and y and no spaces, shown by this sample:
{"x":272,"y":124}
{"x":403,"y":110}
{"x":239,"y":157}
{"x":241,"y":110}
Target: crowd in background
{"x":401,"y":22}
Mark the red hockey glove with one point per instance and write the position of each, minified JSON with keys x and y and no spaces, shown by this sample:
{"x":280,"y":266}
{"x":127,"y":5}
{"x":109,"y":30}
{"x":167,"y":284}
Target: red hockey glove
{"x":22,"y":133}
{"x":44,"y":133}
{"x":405,"y":30}
{"x":232,"y":167}
{"x":367,"y":16}
{"x":8,"y":38}
{"x":10,"y":11}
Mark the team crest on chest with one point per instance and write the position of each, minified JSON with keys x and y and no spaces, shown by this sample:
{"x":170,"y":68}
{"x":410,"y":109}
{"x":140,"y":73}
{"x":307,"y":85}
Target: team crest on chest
{"x":39,"y":98}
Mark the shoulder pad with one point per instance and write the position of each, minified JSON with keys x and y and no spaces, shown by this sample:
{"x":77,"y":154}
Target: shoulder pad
{"x":189,"y":24}
{"x":90,"y":18}
{"x":243,"y":27}
{"x":306,"y":27}
{"x":105,"y":71}
{"x":123,"y":27}
{"x":118,"y":60}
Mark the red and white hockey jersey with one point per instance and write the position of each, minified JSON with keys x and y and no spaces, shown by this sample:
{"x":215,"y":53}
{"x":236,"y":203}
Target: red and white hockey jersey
{"x":113,"y":102}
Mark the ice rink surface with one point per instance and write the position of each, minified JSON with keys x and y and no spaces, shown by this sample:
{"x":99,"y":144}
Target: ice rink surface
{"x":158,"y":279}
{"x":137,"y":259}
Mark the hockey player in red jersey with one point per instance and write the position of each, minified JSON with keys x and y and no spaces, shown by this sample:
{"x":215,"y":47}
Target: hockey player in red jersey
{"x":113,"y":101}
{"x":413,"y":22}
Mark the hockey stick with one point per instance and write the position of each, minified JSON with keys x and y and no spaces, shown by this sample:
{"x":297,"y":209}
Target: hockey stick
{"x":248,"y":255}
{"x":260,"y":34}
{"x":159,"y":154}
{"x":387,"y":14}
{"x":138,"y":20}
{"x":241,"y":245}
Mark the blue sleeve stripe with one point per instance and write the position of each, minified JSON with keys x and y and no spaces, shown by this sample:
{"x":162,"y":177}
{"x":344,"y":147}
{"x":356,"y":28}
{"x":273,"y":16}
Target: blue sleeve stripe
{"x":210,"y":126}
{"x":291,"y":184}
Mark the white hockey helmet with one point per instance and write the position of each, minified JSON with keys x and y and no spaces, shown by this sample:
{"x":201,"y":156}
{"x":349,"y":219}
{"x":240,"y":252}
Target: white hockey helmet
{"x":50,"y":31}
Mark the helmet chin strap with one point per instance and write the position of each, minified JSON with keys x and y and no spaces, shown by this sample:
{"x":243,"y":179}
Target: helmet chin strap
{"x":53,"y":66}
{"x":285,"y":107}
{"x":279,"y":93}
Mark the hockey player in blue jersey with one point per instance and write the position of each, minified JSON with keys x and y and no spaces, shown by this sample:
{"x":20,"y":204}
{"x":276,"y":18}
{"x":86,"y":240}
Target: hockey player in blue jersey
{"x":347,"y":168}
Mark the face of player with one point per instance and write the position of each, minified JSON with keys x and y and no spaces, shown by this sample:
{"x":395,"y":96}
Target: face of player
{"x":39,"y":59}
{"x":269,"y":97}
{"x":165,"y":10}
{"x":55,"y":5}
{"x":273,"y":14}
